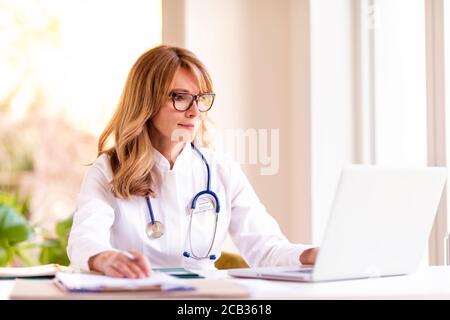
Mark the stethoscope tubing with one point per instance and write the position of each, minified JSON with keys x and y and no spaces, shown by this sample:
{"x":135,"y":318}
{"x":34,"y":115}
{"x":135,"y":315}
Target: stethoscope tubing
{"x":150,"y":210}
{"x":193,"y":205}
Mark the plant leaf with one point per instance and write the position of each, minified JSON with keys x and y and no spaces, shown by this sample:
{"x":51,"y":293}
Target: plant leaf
{"x":6,"y":252}
{"x":13,"y":227}
{"x":54,"y":251}
{"x":63,"y":229}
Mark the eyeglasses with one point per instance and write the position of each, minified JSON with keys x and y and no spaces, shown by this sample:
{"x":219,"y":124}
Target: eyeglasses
{"x":182,"y":101}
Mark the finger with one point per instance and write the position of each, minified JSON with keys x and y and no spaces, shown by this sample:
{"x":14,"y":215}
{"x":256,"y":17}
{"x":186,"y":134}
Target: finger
{"x":132,"y":264}
{"x":125,"y":269}
{"x":113,"y":272}
{"x":314,"y":255}
{"x":142,"y":262}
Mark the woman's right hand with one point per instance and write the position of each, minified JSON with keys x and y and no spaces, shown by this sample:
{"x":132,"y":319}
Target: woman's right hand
{"x":119,"y":264}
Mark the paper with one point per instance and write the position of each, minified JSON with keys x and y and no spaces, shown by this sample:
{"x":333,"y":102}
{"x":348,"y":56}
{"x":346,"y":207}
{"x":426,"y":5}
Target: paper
{"x":78,"y":282}
{"x":35,"y":271}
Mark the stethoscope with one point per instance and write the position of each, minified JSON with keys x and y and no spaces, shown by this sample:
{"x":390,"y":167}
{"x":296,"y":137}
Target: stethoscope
{"x":205,"y":200}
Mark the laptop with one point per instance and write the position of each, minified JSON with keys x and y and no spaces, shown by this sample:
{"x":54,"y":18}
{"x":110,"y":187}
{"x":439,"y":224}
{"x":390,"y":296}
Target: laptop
{"x":379,"y":225}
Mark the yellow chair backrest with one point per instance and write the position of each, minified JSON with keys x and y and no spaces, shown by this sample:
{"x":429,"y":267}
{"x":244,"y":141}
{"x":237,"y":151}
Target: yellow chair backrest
{"x":230,"y":260}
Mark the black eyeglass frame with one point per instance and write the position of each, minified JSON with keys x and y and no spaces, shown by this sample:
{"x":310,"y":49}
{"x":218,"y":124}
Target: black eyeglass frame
{"x":195,"y":98}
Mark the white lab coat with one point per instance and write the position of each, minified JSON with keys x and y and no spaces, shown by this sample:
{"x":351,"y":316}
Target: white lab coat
{"x":104,"y":222}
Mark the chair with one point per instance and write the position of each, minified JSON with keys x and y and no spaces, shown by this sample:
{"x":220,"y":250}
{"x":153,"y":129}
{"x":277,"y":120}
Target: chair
{"x":229,"y":260}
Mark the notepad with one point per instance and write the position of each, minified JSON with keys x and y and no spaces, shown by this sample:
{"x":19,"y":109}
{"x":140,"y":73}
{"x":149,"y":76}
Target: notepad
{"x":79,"y":282}
{"x":34,"y":271}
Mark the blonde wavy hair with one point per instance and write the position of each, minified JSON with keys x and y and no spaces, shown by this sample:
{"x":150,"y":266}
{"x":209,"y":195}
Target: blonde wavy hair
{"x":146,"y":89}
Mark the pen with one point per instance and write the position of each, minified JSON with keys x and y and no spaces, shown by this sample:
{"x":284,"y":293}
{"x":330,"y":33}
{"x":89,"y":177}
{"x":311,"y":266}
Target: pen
{"x":129,"y":255}
{"x":133,"y":258}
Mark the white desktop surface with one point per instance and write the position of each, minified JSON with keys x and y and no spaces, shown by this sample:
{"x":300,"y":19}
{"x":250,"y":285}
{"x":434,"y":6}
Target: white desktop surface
{"x":427,"y":283}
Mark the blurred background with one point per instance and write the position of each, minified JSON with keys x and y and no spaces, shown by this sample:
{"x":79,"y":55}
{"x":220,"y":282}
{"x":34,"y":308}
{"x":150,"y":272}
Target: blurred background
{"x":343,"y":81}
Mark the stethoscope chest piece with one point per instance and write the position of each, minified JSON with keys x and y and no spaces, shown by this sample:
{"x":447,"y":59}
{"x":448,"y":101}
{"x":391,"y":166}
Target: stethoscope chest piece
{"x":205,"y":206}
{"x":154,"y":230}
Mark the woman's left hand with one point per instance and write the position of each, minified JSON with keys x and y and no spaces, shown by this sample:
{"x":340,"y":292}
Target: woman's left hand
{"x":308,"y":257}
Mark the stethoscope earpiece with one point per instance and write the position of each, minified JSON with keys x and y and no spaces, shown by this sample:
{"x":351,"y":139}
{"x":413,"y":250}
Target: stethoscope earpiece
{"x":188,"y":255}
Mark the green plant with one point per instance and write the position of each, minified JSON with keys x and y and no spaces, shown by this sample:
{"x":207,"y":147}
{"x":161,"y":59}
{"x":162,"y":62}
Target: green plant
{"x":54,"y":250}
{"x":14,"y":229}
{"x":13,"y":200}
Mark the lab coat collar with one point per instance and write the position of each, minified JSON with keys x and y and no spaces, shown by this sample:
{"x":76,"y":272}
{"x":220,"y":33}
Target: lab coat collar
{"x":180,"y":163}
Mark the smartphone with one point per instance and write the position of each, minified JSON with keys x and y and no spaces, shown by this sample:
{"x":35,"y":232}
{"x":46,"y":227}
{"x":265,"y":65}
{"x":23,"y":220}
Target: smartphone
{"x":180,"y":273}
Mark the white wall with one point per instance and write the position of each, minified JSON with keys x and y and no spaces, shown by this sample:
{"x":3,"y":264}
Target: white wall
{"x":248,"y":53}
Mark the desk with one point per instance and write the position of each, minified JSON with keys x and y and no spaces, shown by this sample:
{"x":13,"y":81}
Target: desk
{"x":428,"y":283}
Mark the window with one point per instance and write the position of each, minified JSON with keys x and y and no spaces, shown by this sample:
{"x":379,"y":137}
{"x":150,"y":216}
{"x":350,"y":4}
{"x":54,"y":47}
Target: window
{"x":63,"y":64}
{"x":405,"y":90}
{"x":396,"y":82}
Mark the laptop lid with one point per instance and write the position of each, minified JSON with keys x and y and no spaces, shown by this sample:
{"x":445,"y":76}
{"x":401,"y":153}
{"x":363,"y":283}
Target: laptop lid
{"x":380,"y":222}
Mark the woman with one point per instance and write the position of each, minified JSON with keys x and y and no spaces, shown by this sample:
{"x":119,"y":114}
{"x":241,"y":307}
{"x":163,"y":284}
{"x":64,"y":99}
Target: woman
{"x":141,"y":205}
